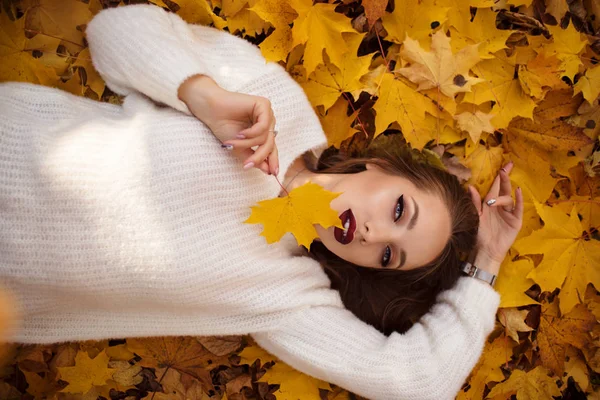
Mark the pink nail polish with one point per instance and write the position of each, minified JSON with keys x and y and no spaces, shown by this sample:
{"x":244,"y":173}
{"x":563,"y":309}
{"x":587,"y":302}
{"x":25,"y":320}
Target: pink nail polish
{"x":249,"y":165}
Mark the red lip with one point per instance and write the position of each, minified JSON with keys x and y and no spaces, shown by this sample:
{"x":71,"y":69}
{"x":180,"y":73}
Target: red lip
{"x":339,"y":233}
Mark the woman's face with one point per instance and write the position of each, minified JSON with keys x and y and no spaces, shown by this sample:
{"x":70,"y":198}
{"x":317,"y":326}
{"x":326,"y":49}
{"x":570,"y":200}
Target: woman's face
{"x":391,"y":223}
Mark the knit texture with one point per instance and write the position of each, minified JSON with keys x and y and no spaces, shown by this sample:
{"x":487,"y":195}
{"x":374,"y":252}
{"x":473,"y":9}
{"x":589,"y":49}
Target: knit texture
{"x":125,"y":221}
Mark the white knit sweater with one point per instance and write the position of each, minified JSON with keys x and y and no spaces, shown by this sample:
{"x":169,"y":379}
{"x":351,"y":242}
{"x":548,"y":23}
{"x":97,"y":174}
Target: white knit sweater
{"x":124,"y":221}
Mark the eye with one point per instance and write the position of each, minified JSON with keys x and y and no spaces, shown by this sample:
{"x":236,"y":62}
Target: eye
{"x":399,"y":209}
{"x":386,"y":256}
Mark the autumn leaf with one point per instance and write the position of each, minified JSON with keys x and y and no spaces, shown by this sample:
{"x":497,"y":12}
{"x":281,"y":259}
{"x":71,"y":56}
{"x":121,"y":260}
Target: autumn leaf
{"x":566,"y":44}
{"x":532,"y":385}
{"x":502,"y":88}
{"x":512,"y":283}
{"x":467,"y":30}
{"x":183,"y":354}
{"x":495,"y":354}
{"x":320,"y":28}
{"x":514,"y":322}
{"x":328,"y":82}
{"x":86,"y":373}
{"x":439,"y":68}
{"x":374,"y":9}
{"x":589,"y":84}
{"x":556,"y":334}
{"x":570,"y":259}
{"x":474,"y":123}
{"x":296,"y":384}
{"x":337,"y":124}
{"x":418,"y":18}
{"x":296,"y":213}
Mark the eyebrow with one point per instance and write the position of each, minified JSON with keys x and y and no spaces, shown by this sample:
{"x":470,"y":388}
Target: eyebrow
{"x":411,"y":225}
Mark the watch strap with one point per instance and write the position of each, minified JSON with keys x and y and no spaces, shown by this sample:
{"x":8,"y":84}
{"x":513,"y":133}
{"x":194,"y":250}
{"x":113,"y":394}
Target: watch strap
{"x":474,"y":272}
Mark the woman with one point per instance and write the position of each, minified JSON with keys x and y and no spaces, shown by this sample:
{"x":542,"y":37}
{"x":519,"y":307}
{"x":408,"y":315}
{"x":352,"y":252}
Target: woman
{"x":124,"y":221}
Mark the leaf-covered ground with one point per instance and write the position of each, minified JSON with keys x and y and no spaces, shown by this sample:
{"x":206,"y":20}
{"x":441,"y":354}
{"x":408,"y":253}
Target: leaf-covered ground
{"x":471,"y":84}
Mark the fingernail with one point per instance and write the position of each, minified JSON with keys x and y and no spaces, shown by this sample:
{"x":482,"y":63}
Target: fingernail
{"x":240,"y":136}
{"x":249,"y":165}
{"x":227,"y":146}
{"x":490,"y":202}
{"x":519,"y":188}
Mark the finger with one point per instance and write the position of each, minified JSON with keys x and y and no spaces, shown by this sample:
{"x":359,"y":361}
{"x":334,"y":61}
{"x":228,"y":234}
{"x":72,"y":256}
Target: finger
{"x":264,"y":167}
{"x":495,"y":188}
{"x":273,"y":161}
{"x":503,"y":201}
{"x":519,"y":207}
{"x":262,"y":152}
{"x":505,"y":186}
{"x":248,"y":143}
{"x":475,"y":198}
{"x":263,"y":118}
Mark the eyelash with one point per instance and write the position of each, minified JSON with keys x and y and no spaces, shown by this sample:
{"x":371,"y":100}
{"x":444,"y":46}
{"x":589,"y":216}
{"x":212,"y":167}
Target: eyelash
{"x":388,"y":251}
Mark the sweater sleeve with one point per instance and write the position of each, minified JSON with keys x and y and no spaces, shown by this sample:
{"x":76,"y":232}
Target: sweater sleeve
{"x":429,"y":361}
{"x":143,"y":48}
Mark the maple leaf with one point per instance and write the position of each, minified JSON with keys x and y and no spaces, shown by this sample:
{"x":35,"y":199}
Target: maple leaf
{"x":183,"y":354}
{"x":38,"y":387}
{"x":589,"y":84}
{"x":279,"y":14}
{"x":512,"y":283}
{"x":494,"y":355}
{"x":246,"y":20}
{"x":535,"y":384}
{"x":337,"y":124}
{"x":419,"y":18}
{"x":176,"y":386}
{"x":374,"y":9}
{"x":566,"y":44}
{"x":556,"y":334}
{"x":475,"y":123}
{"x":481,"y":30}
{"x":325,"y":85}
{"x":198,"y":12}
{"x":294,"y":385}
{"x":320,"y":28}
{"x":570,"y":260}
{"x":86,"y":373}
{"x":502,"y":88}
{"x":400,"y":103}
{"x":439,"y":68}
{"x":484,"y":163}
{"x":540,"y":75}
{"x":16,"y":60}
{"x":296,"y":213}
{"x":514,"y":322}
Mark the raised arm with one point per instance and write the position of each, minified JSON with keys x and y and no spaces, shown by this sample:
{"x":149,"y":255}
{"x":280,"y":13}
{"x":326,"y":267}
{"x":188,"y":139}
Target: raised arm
{"x":429,"y":361}
{"x":146,"y":49}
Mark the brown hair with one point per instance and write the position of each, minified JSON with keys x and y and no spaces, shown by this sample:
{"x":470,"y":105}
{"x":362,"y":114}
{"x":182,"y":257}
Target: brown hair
{"x":393,"y":300}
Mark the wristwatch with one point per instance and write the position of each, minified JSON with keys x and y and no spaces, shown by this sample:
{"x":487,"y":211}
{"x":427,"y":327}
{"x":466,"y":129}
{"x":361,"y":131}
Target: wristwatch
{"x":474,"y":272}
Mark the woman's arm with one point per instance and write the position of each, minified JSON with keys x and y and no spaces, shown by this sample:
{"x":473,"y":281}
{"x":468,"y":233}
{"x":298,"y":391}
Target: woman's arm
{"x":146,"y":49}
{"x":429,"y":361}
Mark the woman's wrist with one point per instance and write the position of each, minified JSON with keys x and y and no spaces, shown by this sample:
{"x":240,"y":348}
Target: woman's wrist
{"x":486,"y":262}
{"x":198,"y":93}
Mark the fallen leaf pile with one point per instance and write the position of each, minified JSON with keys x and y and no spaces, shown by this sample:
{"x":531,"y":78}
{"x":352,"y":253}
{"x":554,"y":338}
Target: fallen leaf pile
{"x":469,"y":84}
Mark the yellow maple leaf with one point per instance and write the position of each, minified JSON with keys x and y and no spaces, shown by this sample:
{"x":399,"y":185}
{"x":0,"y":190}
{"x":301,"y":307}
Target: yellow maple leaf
{"x":484,"y":163}
{"x":475,"y":123}
{"x":494,"y":355}
{"x":86,"y":373}
{"x":280,"y":14}
{"x":439,"y":68}
{"x":481,"y":30}
{"x":246,"y":20}
{"x":514,"y":322}
{"x":502,"y":88}
{"x":16,"y":60}
{"x":296,"y":213}
{"x":337,"y":124}
{"x":570,"y":261}
{"x":400,"y":103}
{"x":531,"y":385}
{"x":293,"y":384}
{"x":513,"y":282}
{"x":418,"y":18}
{"x":327,"y":83}
{"x":198,"y":12}
{"x":566,"y":44}
{"x":320,"y":28}
{"x":540,"y":75}
{"x":589,"y":84}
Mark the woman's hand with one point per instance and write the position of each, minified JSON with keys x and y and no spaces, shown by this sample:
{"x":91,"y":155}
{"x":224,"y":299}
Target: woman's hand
{"x":500,"y":219}
{"x":239,"y":120}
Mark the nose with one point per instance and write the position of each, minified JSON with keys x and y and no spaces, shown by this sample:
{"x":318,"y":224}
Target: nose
{"x":374,"y":232}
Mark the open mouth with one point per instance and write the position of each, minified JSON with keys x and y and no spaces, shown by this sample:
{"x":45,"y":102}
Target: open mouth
{"x":346,"y":235}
